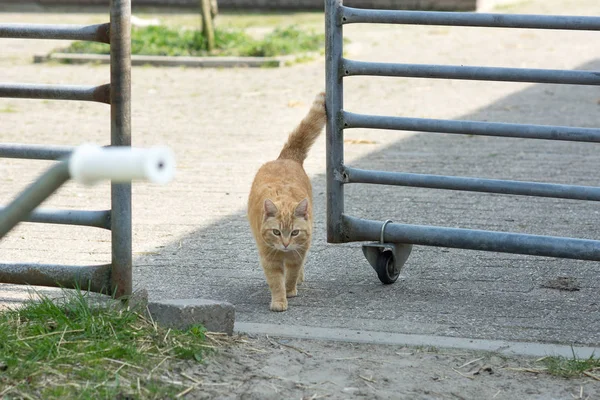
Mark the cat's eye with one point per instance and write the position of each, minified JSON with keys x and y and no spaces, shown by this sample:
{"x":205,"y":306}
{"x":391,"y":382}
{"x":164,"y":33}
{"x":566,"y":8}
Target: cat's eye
{"x":295,"y":232}
{"x":276,"y":232}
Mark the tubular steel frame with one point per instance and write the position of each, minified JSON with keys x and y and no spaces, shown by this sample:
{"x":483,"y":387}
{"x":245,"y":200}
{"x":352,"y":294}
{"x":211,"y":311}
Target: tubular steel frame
{"x":114,"y":278}
{"x":343,"y":228}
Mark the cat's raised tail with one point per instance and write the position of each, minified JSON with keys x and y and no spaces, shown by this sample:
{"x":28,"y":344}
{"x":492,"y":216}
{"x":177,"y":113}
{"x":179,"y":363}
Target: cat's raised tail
{"x":304,"y":135}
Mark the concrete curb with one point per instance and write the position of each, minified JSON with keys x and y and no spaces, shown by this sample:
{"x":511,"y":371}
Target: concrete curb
{"x":171,"y":61}
{"x":507,"y":347}
{"x":215,"y":316}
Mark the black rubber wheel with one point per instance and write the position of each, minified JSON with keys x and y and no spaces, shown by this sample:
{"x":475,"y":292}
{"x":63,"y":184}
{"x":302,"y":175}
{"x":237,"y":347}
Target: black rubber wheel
{"x":386,"y":271}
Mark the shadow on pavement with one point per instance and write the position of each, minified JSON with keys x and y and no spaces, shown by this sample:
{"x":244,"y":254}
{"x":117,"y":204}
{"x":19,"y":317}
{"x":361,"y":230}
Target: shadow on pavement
{"x":441,"y":291}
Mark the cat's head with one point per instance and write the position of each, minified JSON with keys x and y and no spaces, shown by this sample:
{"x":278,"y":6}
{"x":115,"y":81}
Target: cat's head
{"x":286,"y":227}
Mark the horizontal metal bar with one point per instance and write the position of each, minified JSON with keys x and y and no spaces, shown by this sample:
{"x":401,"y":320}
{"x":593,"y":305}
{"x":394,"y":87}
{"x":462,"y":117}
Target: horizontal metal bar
{"x":358,"y":230}
{"x":574,"y":192}
{"x":96,"y":219}
{"x":29,"y":199}
{"x":96,"y":278}
{"x":548,"y":132}
{"x":351,"y":67}
{"x":99,"y":94}
{"x":349,"y":15}
{"x":93,"y":33}
{"x":34,"y":151}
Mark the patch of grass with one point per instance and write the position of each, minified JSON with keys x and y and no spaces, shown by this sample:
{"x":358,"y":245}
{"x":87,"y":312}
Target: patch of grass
{"x":8,"y":109}
{"x":70,"y":347}
{"x":271,"y":64}
{"x":300,"y":60}
{"x":572,"y":367}
{"x":288,"y":40}
{"x":167,"y":41}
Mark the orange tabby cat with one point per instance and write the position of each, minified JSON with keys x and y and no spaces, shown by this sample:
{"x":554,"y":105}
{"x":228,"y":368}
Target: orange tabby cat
{"x":280,"y":209}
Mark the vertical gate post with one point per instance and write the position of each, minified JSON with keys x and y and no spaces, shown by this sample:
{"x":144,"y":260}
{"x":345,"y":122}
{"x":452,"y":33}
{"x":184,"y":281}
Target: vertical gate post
{"x":120,"y":96}
{"x":334,"y":129}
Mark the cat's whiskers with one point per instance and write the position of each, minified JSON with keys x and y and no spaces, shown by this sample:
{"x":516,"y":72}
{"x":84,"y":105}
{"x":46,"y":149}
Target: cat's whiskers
{"x":272,"y":250}
{"x":298,"y":253}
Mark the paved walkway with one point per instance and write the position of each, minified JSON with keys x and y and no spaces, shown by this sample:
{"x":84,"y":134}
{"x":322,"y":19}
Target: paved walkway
{"x":191,"y":238}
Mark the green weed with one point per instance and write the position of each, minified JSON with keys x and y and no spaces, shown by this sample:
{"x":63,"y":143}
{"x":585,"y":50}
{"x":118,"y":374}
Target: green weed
{"x":571,"y":367}
{"x":71,"y":347}
{"x":284,"y":41}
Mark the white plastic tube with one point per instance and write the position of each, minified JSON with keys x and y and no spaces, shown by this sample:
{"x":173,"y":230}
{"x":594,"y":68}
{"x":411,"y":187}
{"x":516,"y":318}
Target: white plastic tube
{"x":90,"y":164}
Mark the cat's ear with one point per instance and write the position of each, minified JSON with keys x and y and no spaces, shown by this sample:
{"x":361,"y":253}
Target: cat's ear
{"x":270,"y":209}
{"x":301,"y":210}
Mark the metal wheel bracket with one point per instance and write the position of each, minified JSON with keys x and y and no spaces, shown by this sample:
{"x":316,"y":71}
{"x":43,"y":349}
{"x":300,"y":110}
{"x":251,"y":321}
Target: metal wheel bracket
{"x":401,"y":252}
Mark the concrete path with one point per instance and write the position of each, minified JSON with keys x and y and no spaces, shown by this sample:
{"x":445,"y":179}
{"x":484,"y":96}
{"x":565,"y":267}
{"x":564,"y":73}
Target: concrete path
{"x":191,"y":239}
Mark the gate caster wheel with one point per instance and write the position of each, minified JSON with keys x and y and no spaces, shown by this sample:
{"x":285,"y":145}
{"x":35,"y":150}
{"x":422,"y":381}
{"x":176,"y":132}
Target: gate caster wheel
{"x":386,"y":267}
{"x":387,"y":259}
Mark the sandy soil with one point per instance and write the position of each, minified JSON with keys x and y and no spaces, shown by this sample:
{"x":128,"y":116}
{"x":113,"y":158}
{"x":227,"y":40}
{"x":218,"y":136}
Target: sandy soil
{"x":277,"y":368}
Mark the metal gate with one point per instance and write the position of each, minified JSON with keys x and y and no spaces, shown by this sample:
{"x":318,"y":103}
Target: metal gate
{"x":113,"y":278}
{"x":394,"y":240}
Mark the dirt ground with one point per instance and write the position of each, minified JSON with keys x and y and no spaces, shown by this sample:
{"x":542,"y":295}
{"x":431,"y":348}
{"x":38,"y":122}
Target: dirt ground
{"x":277,"y":368}
{"x":178,"y":107}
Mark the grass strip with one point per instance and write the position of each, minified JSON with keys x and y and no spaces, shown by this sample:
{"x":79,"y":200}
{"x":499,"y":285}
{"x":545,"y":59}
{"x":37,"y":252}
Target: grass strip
{"x":169,"y":41}
{"x":73,"y":347}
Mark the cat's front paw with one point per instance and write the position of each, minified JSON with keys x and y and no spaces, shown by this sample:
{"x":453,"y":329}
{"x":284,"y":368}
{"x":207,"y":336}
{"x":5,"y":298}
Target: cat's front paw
{"x":279,"y":305}
{"x":292,"y":293}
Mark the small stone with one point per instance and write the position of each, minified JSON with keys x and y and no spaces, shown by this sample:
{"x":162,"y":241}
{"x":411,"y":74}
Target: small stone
{"x":215,"y":316}
{"x":138,"y":300}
